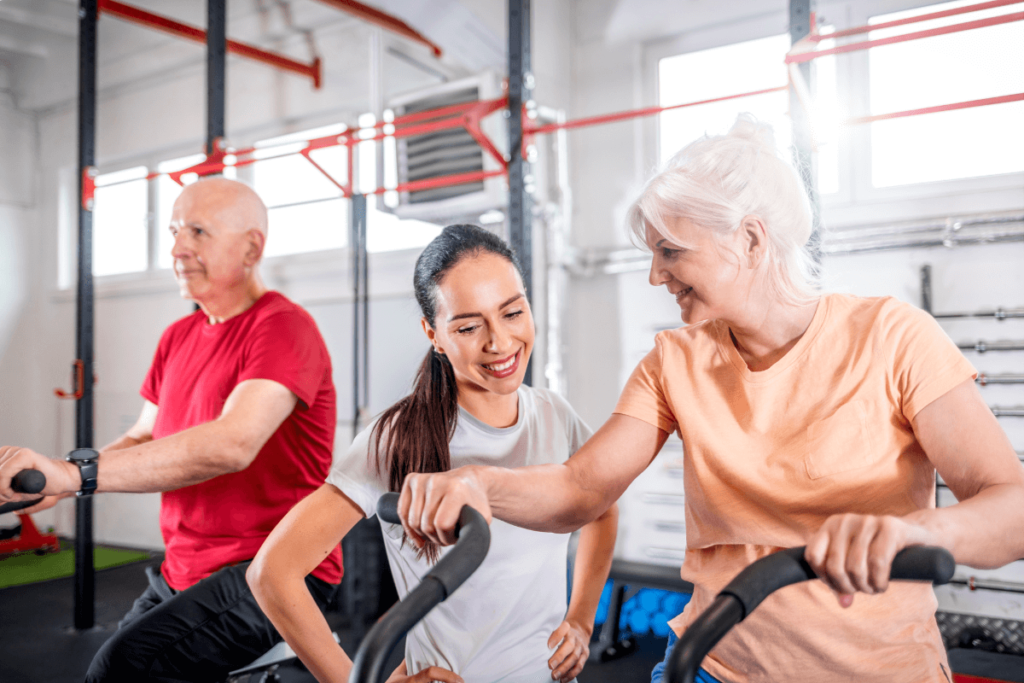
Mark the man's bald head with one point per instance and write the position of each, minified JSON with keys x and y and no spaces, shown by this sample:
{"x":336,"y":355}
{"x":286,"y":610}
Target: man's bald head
{"x":235,"y":205}
{"x":220,"y":230}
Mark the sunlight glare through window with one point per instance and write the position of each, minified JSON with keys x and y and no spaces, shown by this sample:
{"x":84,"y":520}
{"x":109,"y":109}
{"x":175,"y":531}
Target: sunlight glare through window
{"x":940,"y":70}
{"x":738,"y":68}
{"x":120,"y":222}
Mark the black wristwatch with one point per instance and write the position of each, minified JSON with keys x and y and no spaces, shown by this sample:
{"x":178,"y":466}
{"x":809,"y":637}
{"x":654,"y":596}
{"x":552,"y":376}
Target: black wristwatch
{"x":87,"y":461}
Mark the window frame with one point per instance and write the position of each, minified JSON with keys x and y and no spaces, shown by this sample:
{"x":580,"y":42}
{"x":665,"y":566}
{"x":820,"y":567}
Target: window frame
{"x":857,"y":200}
{"x":155,"y":278}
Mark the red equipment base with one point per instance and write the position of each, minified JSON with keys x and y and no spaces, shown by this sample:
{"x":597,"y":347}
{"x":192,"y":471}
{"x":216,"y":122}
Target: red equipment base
{"x":30,"y":539}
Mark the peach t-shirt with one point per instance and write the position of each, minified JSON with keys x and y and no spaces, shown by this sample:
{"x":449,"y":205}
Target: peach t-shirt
{"x":770,"y":455}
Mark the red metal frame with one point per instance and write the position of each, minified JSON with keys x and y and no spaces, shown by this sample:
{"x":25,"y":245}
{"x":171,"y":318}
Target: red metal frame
{"x":375,"y":16}
{"x":176,"y":28}
{"x":88,"y":187}
{"x":964,"y":678}
{"x":467,"y":115}
{"x":860,"y":30}
{"x":29,"y":539}
{"x":79,"y":388}
{"x":1019,"y":97}
{"x":800,"y":57}
{"x":637,"y":113}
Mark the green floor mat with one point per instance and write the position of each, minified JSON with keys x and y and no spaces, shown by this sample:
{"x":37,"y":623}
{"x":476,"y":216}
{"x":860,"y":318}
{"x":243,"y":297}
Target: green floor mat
{"x":30,"y":568}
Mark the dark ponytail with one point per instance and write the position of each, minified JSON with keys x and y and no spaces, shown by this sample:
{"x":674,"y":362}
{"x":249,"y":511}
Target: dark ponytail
{"x":413,"y":435}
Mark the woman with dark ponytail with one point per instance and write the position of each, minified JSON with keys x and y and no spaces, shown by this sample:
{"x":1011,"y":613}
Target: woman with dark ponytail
{"x":468,"y":405}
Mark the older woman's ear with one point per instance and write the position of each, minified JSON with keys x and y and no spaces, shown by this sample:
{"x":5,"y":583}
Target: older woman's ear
{"x":755,"y":240}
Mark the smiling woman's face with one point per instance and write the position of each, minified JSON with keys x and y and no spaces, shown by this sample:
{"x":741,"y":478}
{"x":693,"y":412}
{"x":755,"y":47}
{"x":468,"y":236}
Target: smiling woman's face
{"x":483,"y":324}
{"x":708,"y":278}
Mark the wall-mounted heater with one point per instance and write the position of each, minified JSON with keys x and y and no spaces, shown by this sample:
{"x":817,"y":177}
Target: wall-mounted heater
{"x":449,"y":152}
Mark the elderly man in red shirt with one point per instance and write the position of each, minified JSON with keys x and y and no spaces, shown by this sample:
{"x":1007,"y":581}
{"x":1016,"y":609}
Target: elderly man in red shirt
{"x":237,"y":426}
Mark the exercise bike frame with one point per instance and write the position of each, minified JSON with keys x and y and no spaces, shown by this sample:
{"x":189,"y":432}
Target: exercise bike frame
{"x":755,"y":583}
{"x":458,"y":564}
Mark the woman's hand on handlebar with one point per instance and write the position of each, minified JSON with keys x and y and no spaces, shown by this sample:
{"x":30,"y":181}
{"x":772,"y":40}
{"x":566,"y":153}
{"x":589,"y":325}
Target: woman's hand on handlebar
{"x":568,"y":660}
{"x":431,"y":674}
{"x":430,"y":504}
{"x":853,"y":553}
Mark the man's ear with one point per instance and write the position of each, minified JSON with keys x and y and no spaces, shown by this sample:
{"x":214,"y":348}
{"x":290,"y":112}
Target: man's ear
{"x":755,"y":239}
{"x":431,"y":335}
{"x":256,"y":242}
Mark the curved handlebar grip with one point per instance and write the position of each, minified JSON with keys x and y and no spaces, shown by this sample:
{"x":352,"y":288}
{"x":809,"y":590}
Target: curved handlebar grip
{"x":29,"y":481}
{"x":387,"y":508}
{"x":474,"y":540}
{"x":923,"y":563}
{"x":26,"y":481}
{"x":769,"y":574}
{"x":760,"y":579}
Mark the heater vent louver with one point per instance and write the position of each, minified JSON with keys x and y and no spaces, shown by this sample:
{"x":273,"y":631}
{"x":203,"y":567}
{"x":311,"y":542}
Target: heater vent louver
{"x":449,"y":152}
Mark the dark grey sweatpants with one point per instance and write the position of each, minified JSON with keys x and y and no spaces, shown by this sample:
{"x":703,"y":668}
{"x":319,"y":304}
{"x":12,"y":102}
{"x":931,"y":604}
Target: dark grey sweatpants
{"x":196,"y":635}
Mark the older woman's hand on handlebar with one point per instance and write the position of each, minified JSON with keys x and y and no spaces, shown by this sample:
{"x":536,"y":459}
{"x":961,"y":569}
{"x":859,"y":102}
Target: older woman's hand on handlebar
{"x":853,"y":553}
{"x":430,"y":503}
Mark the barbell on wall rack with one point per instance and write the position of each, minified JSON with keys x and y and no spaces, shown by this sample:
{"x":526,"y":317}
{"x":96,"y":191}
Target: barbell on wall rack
{"x":998,"y":314}
{"x":1015,"y":411}
{"x":981,"y":346}
{"x":985,"y":380}
{"x":974,"y":583}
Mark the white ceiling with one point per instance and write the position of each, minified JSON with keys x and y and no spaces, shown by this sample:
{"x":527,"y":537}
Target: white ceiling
{"x":636,"y":20}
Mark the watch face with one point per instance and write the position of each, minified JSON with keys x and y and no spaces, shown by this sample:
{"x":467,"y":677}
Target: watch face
{"x":83,"y":454}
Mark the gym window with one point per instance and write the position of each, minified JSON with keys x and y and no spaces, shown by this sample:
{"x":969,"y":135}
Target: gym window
{"x":946,"y":69}
{"x":120,"y":222}
{"x":738,"y":68}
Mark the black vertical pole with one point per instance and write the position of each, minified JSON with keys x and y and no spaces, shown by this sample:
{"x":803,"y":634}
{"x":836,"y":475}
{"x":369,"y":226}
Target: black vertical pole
{"x":85,"y":580}
{"x":216,"y":69}
{"x":799,"y":27}
{"x":520,"y":91}
{"x":361,"y":314}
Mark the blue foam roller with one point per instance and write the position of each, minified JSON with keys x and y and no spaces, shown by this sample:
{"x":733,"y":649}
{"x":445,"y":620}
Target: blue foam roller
{"x":639,"y":622}
{"x":659,"y":624}
{"x":650,"y":600}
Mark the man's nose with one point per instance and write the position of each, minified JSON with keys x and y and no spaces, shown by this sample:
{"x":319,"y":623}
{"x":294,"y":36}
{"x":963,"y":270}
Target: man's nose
{"x":180,"y":247}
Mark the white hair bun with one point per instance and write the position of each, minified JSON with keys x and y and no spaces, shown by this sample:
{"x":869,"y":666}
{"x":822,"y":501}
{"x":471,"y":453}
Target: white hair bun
{"x":761,"y":134}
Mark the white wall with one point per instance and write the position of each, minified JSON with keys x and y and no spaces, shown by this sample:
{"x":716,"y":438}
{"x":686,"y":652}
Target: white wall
{"x":586,"y":60}
{"x":152,"y":108}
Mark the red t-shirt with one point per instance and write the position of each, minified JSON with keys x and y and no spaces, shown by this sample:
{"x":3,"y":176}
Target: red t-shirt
{"x":225,"y":520}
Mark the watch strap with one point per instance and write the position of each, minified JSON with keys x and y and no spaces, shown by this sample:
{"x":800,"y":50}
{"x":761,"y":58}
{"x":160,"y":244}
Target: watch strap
{"x":88,"y":466}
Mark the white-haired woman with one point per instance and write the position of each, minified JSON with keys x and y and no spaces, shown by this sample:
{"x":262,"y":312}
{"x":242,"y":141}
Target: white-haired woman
{"x":806,"y":419}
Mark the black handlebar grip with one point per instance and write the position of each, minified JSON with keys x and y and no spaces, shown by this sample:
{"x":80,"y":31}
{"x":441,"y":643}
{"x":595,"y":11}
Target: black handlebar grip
{"x":770,"y":573}
{"x":29,"y":481}
{"x":26,"y":481}
{"x":923,"y":563}
{"x":387,"y":508}
{"x":767,"y":575}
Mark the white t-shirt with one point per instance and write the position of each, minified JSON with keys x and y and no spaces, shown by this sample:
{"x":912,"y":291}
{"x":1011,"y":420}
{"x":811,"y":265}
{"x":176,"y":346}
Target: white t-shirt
{"x":495,"y":627}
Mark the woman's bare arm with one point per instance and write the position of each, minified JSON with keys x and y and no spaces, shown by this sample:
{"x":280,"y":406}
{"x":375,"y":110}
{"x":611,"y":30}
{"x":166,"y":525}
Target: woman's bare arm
{"x":973,"y":455}
{"x":553,"y":498}
{"x":969,"y":449}
{"x":277,"y":577}
{"x":593,"y":563}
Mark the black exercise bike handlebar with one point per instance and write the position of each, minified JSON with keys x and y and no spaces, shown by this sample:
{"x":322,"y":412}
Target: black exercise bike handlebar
{"x":760,"y":579}
{"x":26,"y":481}
{"x":474,"y":540}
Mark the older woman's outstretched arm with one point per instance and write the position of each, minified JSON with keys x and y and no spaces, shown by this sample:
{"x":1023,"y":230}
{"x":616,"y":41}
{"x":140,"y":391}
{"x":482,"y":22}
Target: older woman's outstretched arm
{"x":553,"y":498}
{"x":964,"y":441}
